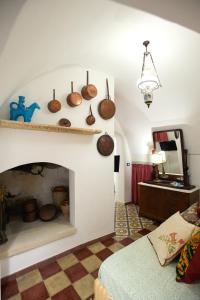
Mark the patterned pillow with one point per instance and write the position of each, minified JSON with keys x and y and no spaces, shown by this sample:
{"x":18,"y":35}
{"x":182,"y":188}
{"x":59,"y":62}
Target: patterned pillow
{"x":170,"y":237}
{"x":188,"y":267}
{"x":190,"y":214}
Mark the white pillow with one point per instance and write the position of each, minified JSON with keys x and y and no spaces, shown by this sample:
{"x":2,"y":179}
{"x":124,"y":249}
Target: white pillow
{"x":168,"y":239}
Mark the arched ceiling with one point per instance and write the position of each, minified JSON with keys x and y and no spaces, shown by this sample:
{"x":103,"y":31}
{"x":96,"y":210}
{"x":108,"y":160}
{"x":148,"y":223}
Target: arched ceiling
{"x":43,"y":35}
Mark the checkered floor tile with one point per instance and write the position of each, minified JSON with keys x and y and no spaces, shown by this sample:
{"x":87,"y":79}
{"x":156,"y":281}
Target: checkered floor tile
{"x":71,"y":276}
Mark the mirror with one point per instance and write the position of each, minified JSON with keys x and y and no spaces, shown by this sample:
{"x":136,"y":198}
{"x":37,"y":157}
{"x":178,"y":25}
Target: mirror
{"x":171,"y":162}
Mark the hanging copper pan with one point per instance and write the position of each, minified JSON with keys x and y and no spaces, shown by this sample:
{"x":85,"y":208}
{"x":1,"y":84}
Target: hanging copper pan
{"x":105,"y":145}
{"x":89,"y":91}
{"x":54,"y":105}
{"x":90,"y":119}
{"x":74,"y":99}
{"x":106,"y":107}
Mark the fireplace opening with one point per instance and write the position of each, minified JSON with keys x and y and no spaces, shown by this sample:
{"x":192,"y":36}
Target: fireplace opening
{"x":36,"y":200}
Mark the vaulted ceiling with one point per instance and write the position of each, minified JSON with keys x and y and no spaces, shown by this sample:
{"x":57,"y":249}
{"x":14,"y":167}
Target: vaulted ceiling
{"x":39,"y":36}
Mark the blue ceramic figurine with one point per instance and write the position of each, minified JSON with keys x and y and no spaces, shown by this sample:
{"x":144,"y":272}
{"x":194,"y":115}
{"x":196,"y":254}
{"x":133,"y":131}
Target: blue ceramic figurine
{"x":19,"y":109}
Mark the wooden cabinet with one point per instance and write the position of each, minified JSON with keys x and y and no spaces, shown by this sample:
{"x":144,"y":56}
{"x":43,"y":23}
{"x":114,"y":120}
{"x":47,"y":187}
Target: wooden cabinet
{"x":159,"y":203}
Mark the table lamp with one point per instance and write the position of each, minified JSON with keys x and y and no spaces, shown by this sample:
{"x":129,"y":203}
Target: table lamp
{"x":156,"y":159}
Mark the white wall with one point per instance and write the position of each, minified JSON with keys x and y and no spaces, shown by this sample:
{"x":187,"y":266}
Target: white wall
{"x":123,"y":178}
{"x":92,"y":173}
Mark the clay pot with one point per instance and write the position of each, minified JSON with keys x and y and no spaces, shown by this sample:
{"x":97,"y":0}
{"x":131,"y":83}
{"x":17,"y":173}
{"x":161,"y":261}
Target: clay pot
{"x":65,"y":209}
{"x":47,"y":212}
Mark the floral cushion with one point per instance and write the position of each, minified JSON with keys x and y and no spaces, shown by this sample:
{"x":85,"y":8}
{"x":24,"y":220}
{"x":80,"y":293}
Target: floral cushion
{"x":190,"y":214}
{"x":188,"y":267}
{"x":170,"y":237}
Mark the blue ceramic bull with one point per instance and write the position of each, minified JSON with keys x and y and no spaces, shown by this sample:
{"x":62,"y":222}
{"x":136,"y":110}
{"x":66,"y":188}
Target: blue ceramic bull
{"x":19,"y":109}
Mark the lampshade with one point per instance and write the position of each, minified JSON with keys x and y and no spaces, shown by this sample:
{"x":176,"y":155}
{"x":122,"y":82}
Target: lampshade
{"x":158,"y":158}
{"x":163,"y":155}
{"x":149,"y":80}
{"x":148,"y":83}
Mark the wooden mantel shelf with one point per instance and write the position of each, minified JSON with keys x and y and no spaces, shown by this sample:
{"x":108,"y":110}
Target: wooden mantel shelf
{"x":45,"y":127}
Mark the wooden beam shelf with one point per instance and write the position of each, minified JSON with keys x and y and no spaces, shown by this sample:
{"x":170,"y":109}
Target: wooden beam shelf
{"x":45,"y":127}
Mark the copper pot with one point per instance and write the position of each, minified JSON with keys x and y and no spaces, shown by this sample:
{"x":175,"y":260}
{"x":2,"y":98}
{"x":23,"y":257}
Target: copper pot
{"x":106,"y":107}
{"x":74,"y":99}
{"x":90,"y":119}
{"x":89,"y":91}
{"x":54,"y":105}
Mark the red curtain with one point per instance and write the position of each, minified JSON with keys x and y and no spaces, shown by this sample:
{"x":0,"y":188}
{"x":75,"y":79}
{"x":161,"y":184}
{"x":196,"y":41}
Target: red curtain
{"x":140,"y":173}
{"x":161,"y":136}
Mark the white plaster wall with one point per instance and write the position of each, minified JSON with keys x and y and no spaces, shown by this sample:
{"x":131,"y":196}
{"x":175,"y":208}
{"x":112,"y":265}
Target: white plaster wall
{"x":92,"y":174}
{"x":123,"y":178}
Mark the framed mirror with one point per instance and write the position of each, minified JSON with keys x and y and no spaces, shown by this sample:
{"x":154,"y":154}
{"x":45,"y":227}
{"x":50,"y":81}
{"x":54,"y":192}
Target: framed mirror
{"x":171,"y":156}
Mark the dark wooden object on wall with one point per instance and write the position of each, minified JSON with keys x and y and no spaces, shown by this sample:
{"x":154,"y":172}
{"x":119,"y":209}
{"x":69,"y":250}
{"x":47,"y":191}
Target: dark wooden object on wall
{"x":159,"y":204}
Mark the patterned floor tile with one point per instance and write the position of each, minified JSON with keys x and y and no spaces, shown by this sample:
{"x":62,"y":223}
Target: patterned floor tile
{"x":28,"y":280}
{"x":35,"y":292}
{"x":115,"y":247}
{"x":121,"y":231}
{"x":134,"y":224}
{"x":150,"y":227}
{"x":49,"y":270}
{"x":127,"y":241}
{"x":67,"y":261}
{"x":56,"y":283}
{"x":121,"y":224}
{"x":83,"y":253}
{"x":121,"y":218}
{"x":108,"y":242}
{"x":94,"y":248}
{"x":9,"y":289}
{"x":103,"y":254}
{"x":76,"y":272}
{"x":135,"y":235}
{"x":85,"y":287}
{"x":144,"y":231}
{"x":65,"y":277}
{"x":91,"y":263}
{"x":95,"y":274}
{"x":16,"y":297}
{"x":67,"y":294}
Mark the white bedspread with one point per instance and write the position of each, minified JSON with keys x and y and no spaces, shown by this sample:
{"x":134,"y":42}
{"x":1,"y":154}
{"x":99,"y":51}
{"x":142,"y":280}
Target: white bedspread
{"x":134,"y":273}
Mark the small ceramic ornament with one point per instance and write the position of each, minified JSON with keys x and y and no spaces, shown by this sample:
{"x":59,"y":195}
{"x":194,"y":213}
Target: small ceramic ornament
{"x":20,"y":110}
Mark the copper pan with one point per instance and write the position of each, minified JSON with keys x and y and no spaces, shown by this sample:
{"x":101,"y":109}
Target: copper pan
{"x":105,"y":145}
{"x":54,"y":105}
{"x":74,"y":99}
{"x":106,"y":107}
{"x":90,"y":119}
{"x":89,"y":91}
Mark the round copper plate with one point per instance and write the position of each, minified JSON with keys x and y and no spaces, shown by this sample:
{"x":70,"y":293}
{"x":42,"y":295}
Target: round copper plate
{"x":106,"y":109}
{"x":105,"y":145}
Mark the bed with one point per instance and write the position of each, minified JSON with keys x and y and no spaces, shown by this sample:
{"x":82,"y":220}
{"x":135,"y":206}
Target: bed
{"x":135,"y":273}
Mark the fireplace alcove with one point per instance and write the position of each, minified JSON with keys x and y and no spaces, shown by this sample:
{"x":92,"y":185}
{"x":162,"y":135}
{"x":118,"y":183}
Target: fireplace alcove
{"x":35,"y":180}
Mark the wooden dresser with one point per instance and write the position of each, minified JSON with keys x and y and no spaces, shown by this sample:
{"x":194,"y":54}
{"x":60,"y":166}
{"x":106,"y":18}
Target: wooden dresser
{"x":160,"y":202}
